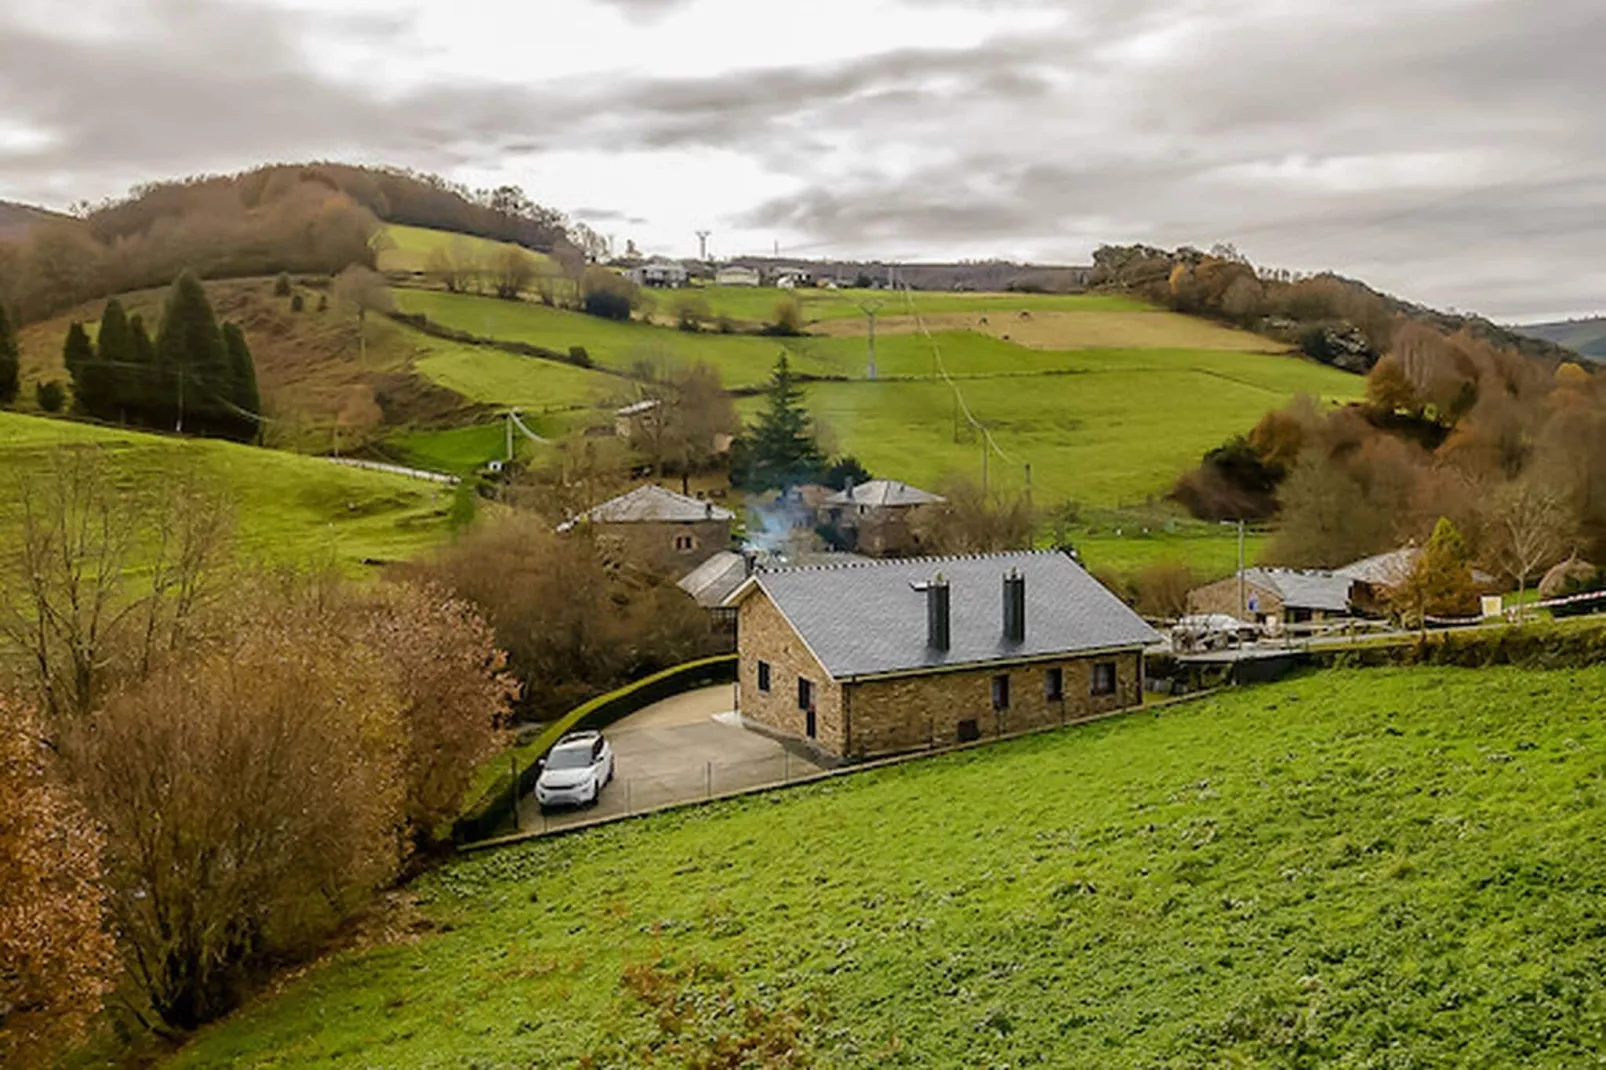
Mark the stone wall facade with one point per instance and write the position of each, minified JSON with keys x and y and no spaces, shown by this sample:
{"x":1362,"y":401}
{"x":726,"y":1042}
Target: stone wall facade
{"x":676,"y":548}
{"x":764,"y":635}
{"x":1222,"y":597}
{"x":887,"y":715}
{"x":893,"y":714}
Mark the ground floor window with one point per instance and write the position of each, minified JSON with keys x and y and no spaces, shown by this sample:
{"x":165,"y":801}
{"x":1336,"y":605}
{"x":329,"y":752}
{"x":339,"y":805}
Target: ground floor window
{"x":763,"y":676}
{"x":805,"y":694}
{"x":1001,"y":691}
{"x":969,"y":731}
{"x":1104,"y":678}
{"x":1054,"y":685}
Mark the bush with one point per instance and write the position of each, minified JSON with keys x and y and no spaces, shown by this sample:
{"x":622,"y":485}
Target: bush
{"x":51,"y":396}
{"x":579,"y":356}
{"x":297,"y":303}
{"x":281,"y":285}
{"x":608,"y":305}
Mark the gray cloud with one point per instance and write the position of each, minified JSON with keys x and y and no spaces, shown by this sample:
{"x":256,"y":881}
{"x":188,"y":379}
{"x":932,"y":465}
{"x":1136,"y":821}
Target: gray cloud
{"x":1448,"y":150}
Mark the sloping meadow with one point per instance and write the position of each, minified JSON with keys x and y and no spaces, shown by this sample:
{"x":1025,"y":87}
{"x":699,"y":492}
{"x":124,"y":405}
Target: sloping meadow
{"x":1383,"y":867}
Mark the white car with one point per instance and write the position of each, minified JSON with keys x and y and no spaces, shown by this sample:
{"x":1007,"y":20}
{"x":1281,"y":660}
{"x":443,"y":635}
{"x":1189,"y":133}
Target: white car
{"x":574,"y":771}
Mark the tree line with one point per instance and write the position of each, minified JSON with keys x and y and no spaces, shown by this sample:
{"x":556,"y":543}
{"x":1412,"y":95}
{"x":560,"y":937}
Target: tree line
{"x":1508,"y":449}
{"x":196,"y":376}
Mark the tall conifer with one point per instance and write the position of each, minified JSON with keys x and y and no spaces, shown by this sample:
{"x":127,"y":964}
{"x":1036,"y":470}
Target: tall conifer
{"x":101,"y":381}
{"x":78,"y":353}
{"x":783,"y":450}
{"x":142,"y":380}
{"x":190,"y":350}
{"x":10,"y":361}
{"x":245,"y":397}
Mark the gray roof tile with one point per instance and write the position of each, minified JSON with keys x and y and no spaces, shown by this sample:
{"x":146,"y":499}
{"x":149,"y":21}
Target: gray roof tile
{"x":652,"y":503}
{"x":883,"y":492}
{"x":867,"y":619}
{"x":1305,"y":589}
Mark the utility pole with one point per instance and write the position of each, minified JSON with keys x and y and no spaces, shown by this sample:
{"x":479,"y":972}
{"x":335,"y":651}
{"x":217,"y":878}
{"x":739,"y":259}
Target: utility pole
{"x":984,"y":452}
{"x":870,"y":308}
{"x":507,"y":425}
{"x":1243,"y":603}
{"x":702,"y":244}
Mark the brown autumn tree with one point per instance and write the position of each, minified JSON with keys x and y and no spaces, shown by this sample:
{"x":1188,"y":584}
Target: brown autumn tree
{"x":512,"y":271}
{"x":251,"y":796}
{"x":56,"y":955}
{"x":362,"y":290}
{"x":1389,"y":390}
{"x":1162,"y":589}
{"x":447,"y":673}
{"x":576,"y":616}
{"x":973,"y":521}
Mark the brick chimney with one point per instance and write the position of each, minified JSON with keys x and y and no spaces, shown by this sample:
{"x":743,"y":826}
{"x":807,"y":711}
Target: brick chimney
{"x":1014,"y":607}
{"x":938,"y":631}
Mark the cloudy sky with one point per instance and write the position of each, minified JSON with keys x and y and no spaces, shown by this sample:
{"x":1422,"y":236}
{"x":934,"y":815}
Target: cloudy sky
{"x":1450,"y":151}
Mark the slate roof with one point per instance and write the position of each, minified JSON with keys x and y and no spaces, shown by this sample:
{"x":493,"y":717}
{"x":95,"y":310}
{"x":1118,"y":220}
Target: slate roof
{"x":711,"y":582}
{"x":1304,"y":588}
{"x":883,"y":492}
{"x":650,"y":503}
{"x":863,"y":620}
{"x":1387,"y":570}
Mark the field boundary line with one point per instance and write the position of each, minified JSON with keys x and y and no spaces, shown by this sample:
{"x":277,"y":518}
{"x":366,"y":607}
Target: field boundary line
{"x":829,"y":774}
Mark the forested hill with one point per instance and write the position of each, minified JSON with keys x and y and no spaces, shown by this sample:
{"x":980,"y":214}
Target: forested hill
{"x":17,"y":220}
{"x":1586,"y":337}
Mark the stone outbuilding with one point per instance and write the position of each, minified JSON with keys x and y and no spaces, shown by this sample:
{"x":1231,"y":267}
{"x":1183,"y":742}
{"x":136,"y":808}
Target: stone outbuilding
{"x":878,"y":518}
{"x":1277,"y":596}
{"x":656,"y":526}
{"x":890,"y":656}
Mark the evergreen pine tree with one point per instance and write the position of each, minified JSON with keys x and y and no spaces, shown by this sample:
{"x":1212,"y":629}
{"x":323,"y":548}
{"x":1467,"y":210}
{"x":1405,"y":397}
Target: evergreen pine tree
{"x":10,"y":361}
{"x":245,"y":397}
{"x":78,"y":353}
{"x":141,"y":386}
{"x":194,"y":360}
{"x":782,"y":451}
{"x":101,"y":380}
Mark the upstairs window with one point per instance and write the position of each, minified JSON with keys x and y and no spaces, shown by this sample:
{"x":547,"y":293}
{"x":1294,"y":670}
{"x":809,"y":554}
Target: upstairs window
{"x":685,"y":543}
{"x":763,"y":676}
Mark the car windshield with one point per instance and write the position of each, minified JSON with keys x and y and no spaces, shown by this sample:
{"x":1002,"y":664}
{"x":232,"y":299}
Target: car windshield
{"x":575,"y":757}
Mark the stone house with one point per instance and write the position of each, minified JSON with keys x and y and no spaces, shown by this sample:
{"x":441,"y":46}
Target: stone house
{"x":736,"y":275}
{"x":656,"y":526}
{"x":878,"y":518}
{"x":660,"y":273}
{"x":890,"y":656}
{"x":1277,"y":596}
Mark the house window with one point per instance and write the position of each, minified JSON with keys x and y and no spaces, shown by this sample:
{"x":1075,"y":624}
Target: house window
{"x":1054,"y":685}
{"x":763,"y":676}
{"x":805,"y":694}
{"x":1104,"y":678}
{"x":969,"y":731}
{"x":1001,"y":691}
{"x":685,"y":543}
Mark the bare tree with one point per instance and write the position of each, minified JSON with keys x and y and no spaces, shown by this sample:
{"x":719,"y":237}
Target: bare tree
{"x":72,"y":598}
{"x":594,"y":246}
{"x":362,"y":289}
{"x":512,"y":271}
{"x":972,"y":521}
{"x":1528,"y":527}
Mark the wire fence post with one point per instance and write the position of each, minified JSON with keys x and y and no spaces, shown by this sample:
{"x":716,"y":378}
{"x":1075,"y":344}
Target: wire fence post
{"x":708,"y":779}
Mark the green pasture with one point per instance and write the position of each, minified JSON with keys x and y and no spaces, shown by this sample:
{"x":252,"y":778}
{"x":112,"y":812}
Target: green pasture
{"x":404,"y":248}
{"x":756,"y":304}
{"x":289,"y":508}
{"x":1379,"y":868}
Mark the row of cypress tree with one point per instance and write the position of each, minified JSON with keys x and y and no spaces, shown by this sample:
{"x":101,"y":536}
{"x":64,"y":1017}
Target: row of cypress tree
{"x":197,"y":376}
{"x":10,"y":361}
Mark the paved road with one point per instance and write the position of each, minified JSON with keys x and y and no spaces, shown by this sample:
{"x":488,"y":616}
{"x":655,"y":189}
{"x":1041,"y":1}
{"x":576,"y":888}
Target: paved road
{"x":678,"y":749}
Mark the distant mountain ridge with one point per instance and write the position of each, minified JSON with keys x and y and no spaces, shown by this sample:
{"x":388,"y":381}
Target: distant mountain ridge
{"x":1586,"y":337}
{"x":16,"y":220}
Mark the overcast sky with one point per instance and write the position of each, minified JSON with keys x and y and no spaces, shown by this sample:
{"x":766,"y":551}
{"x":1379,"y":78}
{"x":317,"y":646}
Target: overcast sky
{"x":1449,"y":151}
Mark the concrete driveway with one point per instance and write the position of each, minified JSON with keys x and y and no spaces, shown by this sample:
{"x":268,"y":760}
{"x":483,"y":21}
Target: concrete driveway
{"x":685,"y":747}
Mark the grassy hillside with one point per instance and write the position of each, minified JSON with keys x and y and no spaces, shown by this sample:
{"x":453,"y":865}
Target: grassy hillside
{"x":290,"y":508}
{"x":407,"y":249}
{"x":1383,"y":868}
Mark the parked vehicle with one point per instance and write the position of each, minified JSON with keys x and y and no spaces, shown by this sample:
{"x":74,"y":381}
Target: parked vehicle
{"x":575,"y":771}
{"x":1211,"y":631}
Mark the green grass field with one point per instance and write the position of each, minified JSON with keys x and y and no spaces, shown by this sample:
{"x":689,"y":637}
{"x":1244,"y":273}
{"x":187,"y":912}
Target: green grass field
{"x":1394,"y":868}
{"x":405,"y":248}
{"x":290,"y":508}
{"x":756,"y":304}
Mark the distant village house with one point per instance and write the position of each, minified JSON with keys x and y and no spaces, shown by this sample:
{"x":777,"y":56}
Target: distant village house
{"x":736,"y":275}
{"x":879,"y":518}
{"x":873,"y":659}
{"x":659,"y":273}
{"x":659,"y":527}
{"x":1276,"y":597}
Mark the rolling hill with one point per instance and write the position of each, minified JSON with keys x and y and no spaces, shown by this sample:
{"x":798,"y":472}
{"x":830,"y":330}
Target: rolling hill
{"x":291,"y":509}
{"x":1367,"y":868}
{"x":1586,"y":337}
{"x":18,"y":220}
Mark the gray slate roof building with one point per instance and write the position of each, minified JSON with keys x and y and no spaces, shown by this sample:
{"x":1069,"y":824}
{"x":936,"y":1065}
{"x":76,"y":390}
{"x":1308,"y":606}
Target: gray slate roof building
{"x":883,"y":492}
{"x":870,"y":619}
{"x":1390,"y":569}
{"x":1305,"y":588}
{"x":650,"y":503}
